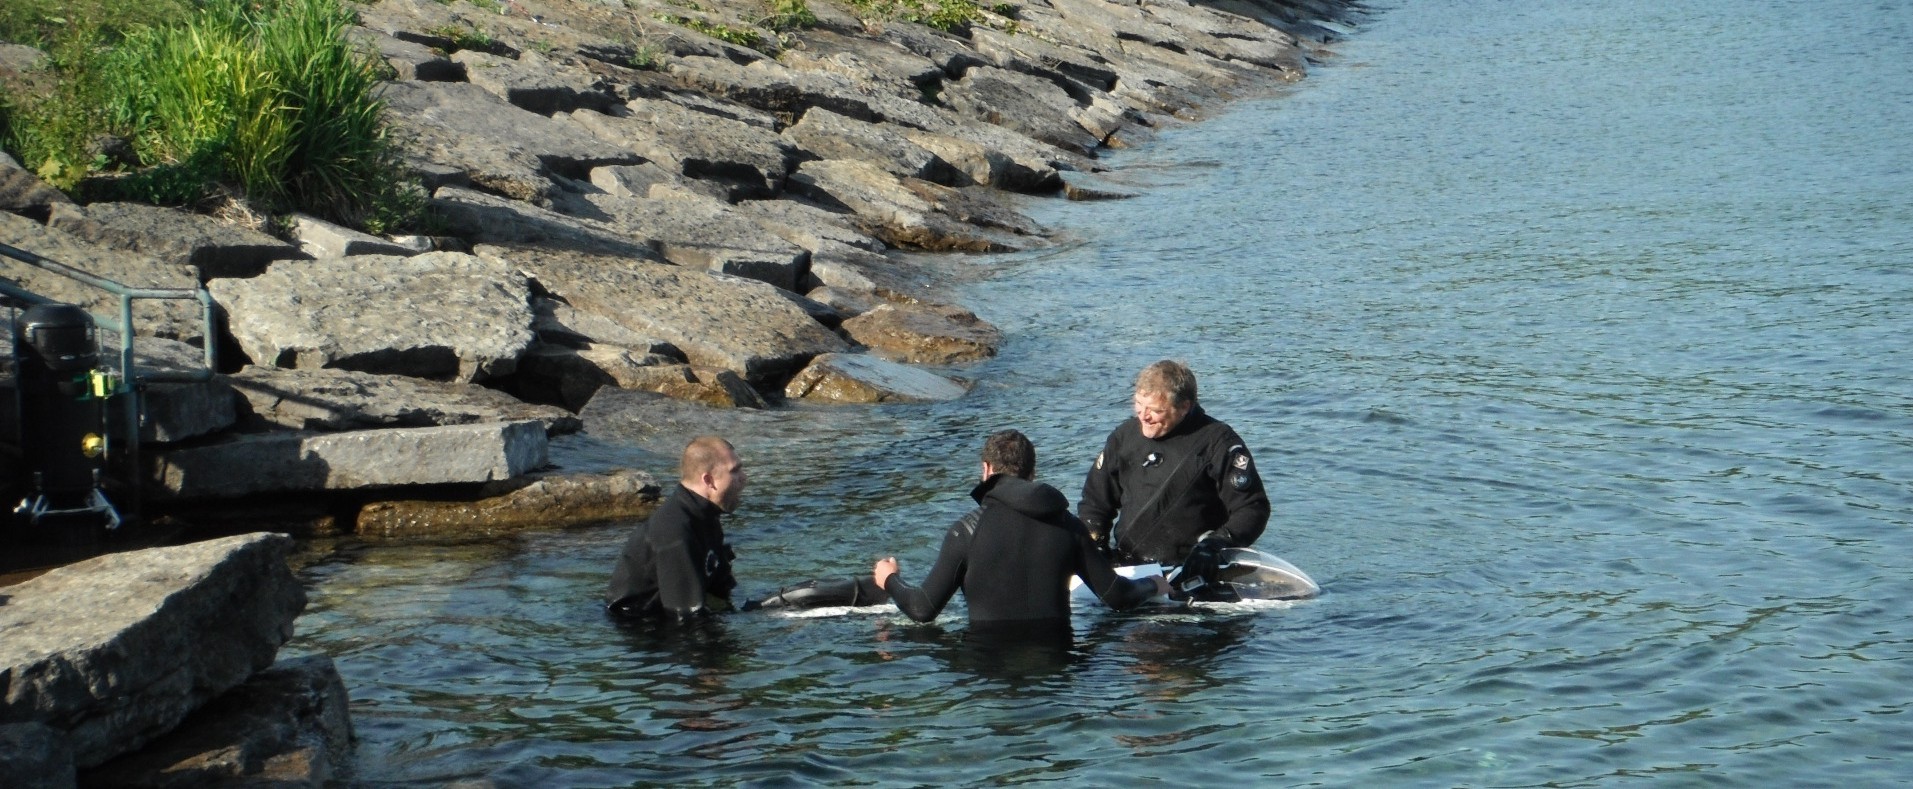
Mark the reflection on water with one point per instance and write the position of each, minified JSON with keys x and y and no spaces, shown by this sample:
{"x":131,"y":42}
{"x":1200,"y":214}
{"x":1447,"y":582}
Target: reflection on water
{"x":1569,"y":337}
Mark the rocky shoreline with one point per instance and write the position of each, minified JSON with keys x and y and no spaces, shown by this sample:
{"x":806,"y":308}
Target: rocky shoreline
{"x":699,"y":200}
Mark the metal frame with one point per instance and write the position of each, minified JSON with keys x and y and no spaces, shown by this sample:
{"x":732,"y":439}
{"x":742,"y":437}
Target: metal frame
{"x":131,"y":382}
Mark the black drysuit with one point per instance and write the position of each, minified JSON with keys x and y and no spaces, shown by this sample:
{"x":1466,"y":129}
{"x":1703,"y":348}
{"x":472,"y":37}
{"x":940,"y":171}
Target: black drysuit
{"x":1170,"y":491}
{"x":1014,"y":559}
{"x":675,"y":564}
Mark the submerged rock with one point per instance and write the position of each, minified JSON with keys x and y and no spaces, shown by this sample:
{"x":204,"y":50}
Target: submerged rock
{"x":545,"y":500}
{"x":856,"y":378}
{"x":925,"y":333}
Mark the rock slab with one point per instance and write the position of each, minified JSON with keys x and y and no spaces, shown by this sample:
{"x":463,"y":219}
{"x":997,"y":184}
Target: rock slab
{"x":116,"y":650}
{"x":537,"y":501}
{"x":288,"y":725}
{"x":301,"y":462}
{"x":440,"y":315}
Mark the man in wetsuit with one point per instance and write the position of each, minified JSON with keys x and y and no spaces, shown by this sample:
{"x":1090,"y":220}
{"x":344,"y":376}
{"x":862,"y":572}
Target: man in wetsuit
{"x":676,"y":565}
{"x":1013,"y":556}
{"x":1173,"y":485}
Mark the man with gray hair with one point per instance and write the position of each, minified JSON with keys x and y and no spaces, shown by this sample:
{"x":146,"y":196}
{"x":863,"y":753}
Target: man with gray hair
{"x":1173,"y":485}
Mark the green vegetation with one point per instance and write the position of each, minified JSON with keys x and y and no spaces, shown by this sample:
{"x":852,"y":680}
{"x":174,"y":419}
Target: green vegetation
{"x":463,"y":37}
{"x":644,"y":55}
{"x":740,"y":36}
{"x":790,"y":14}
{"x":940,"y":14}
{"x":263,"y":96}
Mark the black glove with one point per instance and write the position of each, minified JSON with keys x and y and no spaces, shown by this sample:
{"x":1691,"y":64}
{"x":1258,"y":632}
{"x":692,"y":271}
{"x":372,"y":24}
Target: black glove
{"x":1201,"y":563}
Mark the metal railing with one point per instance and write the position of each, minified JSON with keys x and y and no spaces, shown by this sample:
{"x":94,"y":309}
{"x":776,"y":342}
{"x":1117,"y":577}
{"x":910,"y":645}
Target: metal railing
{"x":131,"y":380}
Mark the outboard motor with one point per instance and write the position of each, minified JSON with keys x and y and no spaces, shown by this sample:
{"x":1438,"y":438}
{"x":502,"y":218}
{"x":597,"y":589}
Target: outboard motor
{"x":61,"y":396}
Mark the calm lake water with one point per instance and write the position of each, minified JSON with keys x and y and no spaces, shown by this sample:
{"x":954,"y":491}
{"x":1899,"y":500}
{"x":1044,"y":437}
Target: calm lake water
{"x":1572,"y":338}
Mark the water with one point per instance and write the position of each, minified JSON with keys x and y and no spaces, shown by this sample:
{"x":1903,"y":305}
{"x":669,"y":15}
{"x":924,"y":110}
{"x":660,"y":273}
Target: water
{"x":1570,"y":337}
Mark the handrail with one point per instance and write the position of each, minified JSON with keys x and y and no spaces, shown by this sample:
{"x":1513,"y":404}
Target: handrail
{"x":124,"y":325}
{"x":130,"y":379}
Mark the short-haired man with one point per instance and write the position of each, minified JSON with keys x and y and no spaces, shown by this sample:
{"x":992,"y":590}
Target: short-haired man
{"x":1173,"y":485}
{"x":1013,"y":556}
{"x":676,"y":564}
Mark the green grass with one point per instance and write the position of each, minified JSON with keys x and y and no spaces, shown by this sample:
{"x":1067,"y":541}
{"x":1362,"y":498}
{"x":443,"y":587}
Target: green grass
{"x":266,"y":97}
{"x":939,"y":14}
{"x":742,"y":37}
{"x":464,"y":37}
{"x":789,"y":15}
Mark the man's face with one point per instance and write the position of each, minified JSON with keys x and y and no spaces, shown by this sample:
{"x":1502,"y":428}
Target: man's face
{"x":727,"y":481}
{"x":1157,"y":413}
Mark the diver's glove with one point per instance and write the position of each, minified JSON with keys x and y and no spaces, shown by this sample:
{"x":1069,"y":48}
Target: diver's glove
{"x":1200,"y":566}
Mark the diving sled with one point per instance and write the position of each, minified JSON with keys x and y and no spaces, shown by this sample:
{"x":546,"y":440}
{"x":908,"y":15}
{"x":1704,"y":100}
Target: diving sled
{"x":1242,"y":574}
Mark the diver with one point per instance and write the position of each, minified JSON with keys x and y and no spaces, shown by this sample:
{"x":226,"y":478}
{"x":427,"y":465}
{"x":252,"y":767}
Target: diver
{"x":1013,"y":556}
{"x":676,"y":565}
{"x":1172,"y":484}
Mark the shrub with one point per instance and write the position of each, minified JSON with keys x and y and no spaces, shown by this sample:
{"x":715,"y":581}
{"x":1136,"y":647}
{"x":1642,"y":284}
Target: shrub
{"x":266,"y":96}
{"x":789,"y":14}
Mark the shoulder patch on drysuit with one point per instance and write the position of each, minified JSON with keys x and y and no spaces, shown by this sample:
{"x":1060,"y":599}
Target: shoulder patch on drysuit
{"x":1243,"y":474}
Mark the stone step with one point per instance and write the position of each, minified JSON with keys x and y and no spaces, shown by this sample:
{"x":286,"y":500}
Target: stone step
{"x":291,"y":462}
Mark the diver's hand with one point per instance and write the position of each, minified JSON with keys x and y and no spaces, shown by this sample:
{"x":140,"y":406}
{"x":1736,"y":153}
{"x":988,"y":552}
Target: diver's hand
{"x":1203,"y":560}
{"x":1162,"y":585}
{"x":882,"y":570}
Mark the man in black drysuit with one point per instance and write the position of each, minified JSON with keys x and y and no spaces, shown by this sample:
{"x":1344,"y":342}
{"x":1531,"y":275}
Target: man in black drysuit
{"x":1173,"y":485}
{"x":676,"y":565}
{"x":1013,"y":556}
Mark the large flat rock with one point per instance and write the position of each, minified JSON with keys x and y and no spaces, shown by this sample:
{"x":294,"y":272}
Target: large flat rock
{"x":533,"y":83}
{"x":1027,"y":105}
{"x":499,"y":147}
{"x":287,"y":726}
{"x":336,"y":400}
{"x":171,"y":235}
{"x":484,"y":218}
{"x":698,"y":142}
{"x":290,"y":462}
{"x":440,"y":315}
{"x":827,"y":135}
{"x":699,"y":232}
{"x":715,"y":320}
{"x":116,"y":650}
{"x":909,"y":212}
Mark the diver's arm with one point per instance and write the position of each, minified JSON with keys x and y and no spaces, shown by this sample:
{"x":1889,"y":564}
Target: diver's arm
{"x":1239,"y":485}
{"x":924,"y":603}
{"x":1102,"y":493}
{"x":680,"y":576}
{"x":1117,"y":592}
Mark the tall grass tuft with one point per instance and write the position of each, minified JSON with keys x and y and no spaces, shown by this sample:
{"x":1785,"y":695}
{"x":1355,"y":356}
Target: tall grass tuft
{"x":264,"y":95}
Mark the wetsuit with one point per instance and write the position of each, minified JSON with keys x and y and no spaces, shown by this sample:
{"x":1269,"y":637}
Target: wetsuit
{"x":1013,"y":560}
{"x":1171,"y":491}
{"x":674,"y":565}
